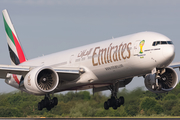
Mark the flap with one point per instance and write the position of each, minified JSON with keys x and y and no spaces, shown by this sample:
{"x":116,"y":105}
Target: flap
{"x":67,"y":74}
{"x":72,"y":70}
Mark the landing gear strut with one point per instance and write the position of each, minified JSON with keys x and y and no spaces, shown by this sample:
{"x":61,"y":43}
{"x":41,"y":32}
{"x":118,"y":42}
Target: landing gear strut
{"x":160,"y":78}
{"x":47,"y":102}
{"x":114,"y":102}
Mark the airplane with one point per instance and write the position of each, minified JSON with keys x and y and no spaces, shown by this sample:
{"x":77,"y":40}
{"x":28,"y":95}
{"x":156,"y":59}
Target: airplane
{"x":106,"y":65}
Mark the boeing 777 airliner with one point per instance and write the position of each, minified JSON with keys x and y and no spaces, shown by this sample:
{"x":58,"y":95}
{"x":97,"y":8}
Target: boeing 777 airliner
{"x":106,"y":65}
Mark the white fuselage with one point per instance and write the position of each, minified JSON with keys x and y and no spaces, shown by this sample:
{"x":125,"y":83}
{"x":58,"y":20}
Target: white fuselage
{"x":111,"y":60}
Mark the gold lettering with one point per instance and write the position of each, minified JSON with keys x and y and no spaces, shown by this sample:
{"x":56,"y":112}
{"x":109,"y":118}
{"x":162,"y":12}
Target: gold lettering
{"x":122,"y":51}
{"x":108,"y":53}
{"x":119,"y":51}
{"x":105,"y":55}
{"x":94,"y":54}
{"x":128,"y":49}
{"x":101,"y":51}
{"x":115,"y":53}
{"x":89,"y":52}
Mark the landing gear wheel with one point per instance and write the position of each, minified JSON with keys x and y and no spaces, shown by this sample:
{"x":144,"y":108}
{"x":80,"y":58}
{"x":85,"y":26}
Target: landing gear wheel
{"x":47,"y":103}
{"x":43,"y":103}
{"x":48,"y":107}
{"x":40,"y":106}
{"x":114,"y":107}
{"x":109,"y":102}
{"x":114,"y":102}
{"x":55,"y":101}
{"x":106,"y":107}
{"x":121,"y":100}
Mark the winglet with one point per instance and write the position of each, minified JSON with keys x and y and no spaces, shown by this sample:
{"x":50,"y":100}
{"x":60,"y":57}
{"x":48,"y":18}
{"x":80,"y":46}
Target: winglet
{"x":15,"y":49}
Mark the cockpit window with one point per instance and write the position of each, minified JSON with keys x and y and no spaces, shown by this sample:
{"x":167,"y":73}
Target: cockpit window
{"x":155,"y":43}
{"x":163,"y":42}
{"x":169,"y":42}
{"x":158,"y":42}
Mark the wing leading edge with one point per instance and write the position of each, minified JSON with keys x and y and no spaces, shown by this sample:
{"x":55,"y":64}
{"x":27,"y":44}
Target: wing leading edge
{"x":175,"y":65}
{"x":23,"y":70}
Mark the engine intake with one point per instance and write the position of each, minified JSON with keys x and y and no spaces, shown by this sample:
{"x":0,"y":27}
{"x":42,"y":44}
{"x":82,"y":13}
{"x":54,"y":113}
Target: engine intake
{"x":41,"y":80}
{"x":46,"y":79}
{"x":165,"y":81}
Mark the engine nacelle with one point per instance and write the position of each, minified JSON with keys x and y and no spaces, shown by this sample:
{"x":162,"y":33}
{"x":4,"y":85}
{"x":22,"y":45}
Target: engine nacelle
{"x":41,"y":80}
{"x":165,"y":81}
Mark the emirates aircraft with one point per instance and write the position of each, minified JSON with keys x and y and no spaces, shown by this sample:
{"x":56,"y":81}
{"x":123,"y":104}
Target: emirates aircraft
{"x":106,"y":65}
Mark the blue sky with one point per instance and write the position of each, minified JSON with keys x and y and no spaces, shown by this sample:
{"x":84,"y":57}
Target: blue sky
{"x":47,"y":26}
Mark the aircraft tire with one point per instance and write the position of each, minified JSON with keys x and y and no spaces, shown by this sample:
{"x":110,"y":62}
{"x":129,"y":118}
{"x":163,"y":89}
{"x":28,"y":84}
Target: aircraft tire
{"x":114,"y":107}
{"x":55,"y":101}
{"x":118,"y":103}
{"x":46,"y":101}
{"x":109,"y":102}
{"x":106,"y":107}
{"x":121,"y":100}
{"x":40,"y":106}
{"x":48,"y":107}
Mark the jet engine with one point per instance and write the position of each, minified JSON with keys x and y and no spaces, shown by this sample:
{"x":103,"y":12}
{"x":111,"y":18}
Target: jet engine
{"x":41,"y":80}
{"x":162,"y":81}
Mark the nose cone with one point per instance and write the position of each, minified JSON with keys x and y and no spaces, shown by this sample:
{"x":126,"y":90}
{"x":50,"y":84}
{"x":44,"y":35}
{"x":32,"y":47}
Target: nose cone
{"x":169,"y":53}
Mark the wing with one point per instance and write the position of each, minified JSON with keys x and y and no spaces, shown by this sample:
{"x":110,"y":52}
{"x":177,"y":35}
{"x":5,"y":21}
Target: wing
{"x":175,"y":65}
{"x":20,"y":70}
{"x":66,"y":73}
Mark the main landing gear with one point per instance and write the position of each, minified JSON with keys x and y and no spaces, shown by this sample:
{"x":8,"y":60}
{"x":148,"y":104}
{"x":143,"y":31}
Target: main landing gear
{"x":47,"y":103}
{"x":114,"y":102}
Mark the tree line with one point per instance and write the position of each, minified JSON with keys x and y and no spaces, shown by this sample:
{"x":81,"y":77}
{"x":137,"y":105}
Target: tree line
{"x":138,"y":102}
